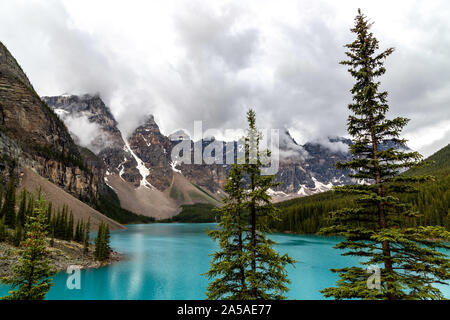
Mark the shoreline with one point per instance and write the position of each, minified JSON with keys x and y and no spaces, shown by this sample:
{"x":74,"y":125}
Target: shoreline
{"x":62,"y":255}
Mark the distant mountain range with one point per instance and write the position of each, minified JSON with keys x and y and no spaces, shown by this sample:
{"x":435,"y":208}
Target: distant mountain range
{"x":75,"y":143}
{"x":144,"y":158}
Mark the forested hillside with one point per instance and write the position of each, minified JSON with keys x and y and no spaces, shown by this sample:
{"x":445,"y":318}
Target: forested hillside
{"x":309,"y":214}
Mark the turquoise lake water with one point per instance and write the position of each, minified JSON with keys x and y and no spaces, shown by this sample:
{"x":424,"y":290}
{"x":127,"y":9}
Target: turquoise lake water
{"x":166,"y":261}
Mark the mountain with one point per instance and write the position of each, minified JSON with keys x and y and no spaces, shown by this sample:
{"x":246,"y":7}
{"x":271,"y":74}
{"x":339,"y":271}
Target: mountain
{"x":141,"y":171}
{"x":138,"y":168}
{"x":309,"y":214}
{"x":35,"y":142}
{"x":93,"y":110}
{"x":439,"y":165}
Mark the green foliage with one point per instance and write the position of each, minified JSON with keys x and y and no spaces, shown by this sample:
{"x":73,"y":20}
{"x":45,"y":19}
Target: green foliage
{"x":373,"y":228}
{"x":229,"y":266}
{"x":247,"y":266}
{"x":31,"y":275}
{"x":60,"y":224}
{"x":3,"y":230}
{"x":438,"y":165}
{"x":309,"y":214}
{"x":102,"y":249}
{"x":86,"y":235}
{"x":21,"y":215}
{"x":432,"y":200}
{"x":8,"y":209}
{"x":195,"y":213}
{"x":18,"y":235}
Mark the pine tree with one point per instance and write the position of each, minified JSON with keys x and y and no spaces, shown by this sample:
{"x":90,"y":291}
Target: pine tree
{"x":102,"y":248}
{"x":267,"y":275}
{"x":52,"y":238}
{"x":247,"y":266}
{"x":18,"y":235}
{"x":70,"y":227}
{"x":1,"y":195}
{"x":3,"y":231}
{"x":22,"y":208}
{"x":30,"y":278}
{"x":9,"y":206}
{"x":107,"y":239}
{"x":77,"y":236}
{"x":49,"y":217}
{"x":30,"y":205}
{"x":410,"y":263}
{"x":228,"y":267}
{"x":85,"y":231}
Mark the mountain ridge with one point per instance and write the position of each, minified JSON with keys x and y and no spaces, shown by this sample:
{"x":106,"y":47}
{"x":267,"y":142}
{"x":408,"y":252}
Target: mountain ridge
{"x":310,"y":175}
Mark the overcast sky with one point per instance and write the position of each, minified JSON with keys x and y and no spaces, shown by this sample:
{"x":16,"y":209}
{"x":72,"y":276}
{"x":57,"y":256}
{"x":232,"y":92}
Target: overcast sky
{"x":212,"y":60}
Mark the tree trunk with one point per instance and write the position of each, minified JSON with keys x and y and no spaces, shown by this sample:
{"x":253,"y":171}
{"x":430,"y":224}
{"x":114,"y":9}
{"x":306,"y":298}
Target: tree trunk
{"x":381,"y":214}
{"x":253,"y":235}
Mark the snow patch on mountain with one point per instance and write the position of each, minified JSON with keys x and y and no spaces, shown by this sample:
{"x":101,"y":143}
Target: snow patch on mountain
{"x":321,"y":187}
{"x":174,"y":166}
{"x":107,"y":183}
{"x":146,"y":142}
{"x":272,"y":193}
{"x":303,"y":191}
{"x":143,"y":170}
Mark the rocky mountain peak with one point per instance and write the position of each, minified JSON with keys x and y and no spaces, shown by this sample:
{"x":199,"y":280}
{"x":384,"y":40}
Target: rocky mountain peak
{"x":84,"y":112}
{"x":9,"y":65}
{"x":91,"y":106}
{"x":149,"y":126}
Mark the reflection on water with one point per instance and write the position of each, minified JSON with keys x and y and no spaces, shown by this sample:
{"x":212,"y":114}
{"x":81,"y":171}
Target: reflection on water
{"x":166,"y":261}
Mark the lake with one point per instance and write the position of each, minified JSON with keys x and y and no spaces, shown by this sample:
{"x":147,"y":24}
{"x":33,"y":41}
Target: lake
{"x":166,"y":261}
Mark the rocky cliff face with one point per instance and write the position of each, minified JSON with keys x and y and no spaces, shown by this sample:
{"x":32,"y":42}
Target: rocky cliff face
{"x":35,"y":136}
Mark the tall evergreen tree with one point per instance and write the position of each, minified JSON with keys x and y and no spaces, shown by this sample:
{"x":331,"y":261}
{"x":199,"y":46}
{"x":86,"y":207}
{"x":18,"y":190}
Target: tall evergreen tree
{"x":3,"y":231}
{"x":247,"y":266}
{"x":102,"y":248}
{"x":31,"y":275}
{"x":21,"y":214}
{"x":408,"y":256}
{"x":70,"y":224}
{"x":229,"y":264}
{"x":107,"y":240}
{"x":9,"y":206}
{"x":1,"y":195}
{"x":267,"y":276}
{"x":18,"y":235}
{"x":84,"y":230}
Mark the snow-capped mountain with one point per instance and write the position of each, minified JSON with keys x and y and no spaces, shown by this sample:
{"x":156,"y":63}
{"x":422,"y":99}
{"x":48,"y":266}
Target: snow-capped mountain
{"x":144,"y":158}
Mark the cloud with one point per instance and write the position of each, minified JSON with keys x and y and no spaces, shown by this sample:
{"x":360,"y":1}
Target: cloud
{"x":335,"y":146}
{"x":201,"y":60}
{"x":289,"y":149}
{"x":86,"y":134}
